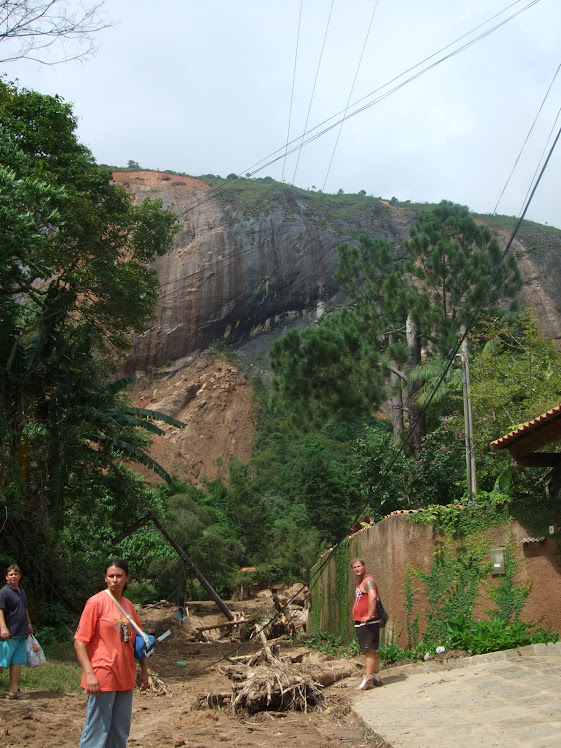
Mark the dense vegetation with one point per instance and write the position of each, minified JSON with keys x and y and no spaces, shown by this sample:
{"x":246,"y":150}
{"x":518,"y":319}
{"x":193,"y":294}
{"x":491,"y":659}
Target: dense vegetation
{"x":76,"y":282}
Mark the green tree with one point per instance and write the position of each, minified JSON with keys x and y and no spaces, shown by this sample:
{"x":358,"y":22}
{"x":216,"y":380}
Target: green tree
{"x":456,"y":264}
{"x":515,"y":374}
{"x":76,"y":282}
{"x":383,"y":472}
{"x":399,"y":300}
{"x":326,"y":370}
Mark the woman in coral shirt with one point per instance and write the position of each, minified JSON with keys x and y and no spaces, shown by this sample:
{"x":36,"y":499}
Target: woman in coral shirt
{"x":104,"y":646}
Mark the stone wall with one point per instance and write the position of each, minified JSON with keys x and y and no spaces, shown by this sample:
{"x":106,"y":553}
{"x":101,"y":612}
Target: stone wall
{"x":395,"y":543}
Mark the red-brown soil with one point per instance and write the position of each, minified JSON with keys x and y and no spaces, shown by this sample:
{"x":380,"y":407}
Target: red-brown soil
{"x":214,"y":400}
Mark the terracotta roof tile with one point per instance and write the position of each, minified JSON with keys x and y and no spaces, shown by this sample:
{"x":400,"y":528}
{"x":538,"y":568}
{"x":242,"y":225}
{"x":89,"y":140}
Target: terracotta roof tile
{"x":527,"y":428}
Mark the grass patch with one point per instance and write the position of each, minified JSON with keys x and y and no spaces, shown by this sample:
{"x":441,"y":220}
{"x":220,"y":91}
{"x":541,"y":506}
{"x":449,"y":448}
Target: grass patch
{"x":61,"y":674}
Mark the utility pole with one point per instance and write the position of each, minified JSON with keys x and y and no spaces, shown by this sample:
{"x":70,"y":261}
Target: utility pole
{"x":468,"y":420}
{"x":151,"y":517}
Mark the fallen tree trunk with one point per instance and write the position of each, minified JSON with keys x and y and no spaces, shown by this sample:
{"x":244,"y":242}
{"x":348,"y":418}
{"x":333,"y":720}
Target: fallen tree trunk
{"x":284,"y":686}
{"x":326,"y":676}
{"x":276,"y":690}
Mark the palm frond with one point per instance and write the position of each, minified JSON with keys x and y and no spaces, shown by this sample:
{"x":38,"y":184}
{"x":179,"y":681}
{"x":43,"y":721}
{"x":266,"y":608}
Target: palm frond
{"x":155,"y":415}
{"x":135,"y":454}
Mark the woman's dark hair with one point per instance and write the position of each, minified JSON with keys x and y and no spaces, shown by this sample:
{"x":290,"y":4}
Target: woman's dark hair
{"x":120,"y":563}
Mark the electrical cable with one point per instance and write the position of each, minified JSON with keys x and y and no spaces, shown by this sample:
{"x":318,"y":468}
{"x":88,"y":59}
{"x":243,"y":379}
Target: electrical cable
{"x":549,"y":138}
{"x":313,"y":90}
{"x":293,"y":85}
{"x":525,"y":143}
{"x":350,"y":94}
{"x":228,"y":183}
{"x":252,"y":170}
{"x":221,"y":188}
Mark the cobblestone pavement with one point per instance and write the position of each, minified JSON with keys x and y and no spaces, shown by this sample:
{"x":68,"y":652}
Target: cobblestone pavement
{"x":510,"y":698}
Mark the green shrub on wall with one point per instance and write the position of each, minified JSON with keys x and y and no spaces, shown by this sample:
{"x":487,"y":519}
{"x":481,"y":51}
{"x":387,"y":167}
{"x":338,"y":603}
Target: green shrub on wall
{"x":462,"y":520}
{"x":412,"y":625}
{"x":342,"y":560}
{"x":508,"y":598}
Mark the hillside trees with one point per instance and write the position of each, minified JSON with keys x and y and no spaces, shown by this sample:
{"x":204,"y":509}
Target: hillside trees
{"x":75,"y":283}
{"x":516,"y":376}
{"x":399,"y":300}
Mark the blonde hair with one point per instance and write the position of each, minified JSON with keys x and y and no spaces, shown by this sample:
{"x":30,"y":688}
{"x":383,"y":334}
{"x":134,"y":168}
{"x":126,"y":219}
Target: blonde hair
{"x":357,"y":561}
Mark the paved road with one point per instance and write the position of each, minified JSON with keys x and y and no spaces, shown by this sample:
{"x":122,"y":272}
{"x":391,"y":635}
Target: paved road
{"x":510,"y":698}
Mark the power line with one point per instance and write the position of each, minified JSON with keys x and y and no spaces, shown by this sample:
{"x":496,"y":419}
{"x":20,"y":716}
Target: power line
{"x":293,"y":84}
{"x":350,"y":94}
{"x":301,"y":139}
{"x":526,"y":141}
{"x":313,"y":90}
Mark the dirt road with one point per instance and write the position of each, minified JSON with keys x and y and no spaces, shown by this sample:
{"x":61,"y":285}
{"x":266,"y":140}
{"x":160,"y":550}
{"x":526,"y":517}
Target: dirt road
{"x":172,"y":719}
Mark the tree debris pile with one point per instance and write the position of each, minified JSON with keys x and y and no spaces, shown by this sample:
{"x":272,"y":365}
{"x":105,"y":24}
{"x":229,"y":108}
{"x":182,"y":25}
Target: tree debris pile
{"x":292,"y":606}
{"x":280,"y":689}
{"x":265,"y":681}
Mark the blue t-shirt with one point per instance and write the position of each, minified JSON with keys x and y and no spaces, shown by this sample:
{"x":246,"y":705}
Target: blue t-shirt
{"x":14,"y":605}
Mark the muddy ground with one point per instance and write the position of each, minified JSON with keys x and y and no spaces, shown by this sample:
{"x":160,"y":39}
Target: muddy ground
{"x":172,"y":719}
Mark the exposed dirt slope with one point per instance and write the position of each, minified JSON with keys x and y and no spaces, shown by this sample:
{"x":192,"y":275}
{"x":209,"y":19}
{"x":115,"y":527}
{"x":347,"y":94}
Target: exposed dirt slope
{"x":213,"y":398}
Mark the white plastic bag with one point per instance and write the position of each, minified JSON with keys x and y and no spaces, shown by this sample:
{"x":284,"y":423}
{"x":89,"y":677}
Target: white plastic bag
{"x":35,"y":655}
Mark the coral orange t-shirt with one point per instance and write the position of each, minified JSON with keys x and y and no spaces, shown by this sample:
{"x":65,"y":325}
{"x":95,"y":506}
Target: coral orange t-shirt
{"x":109,"y":639}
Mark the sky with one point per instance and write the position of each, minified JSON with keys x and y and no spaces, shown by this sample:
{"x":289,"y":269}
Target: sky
{"x":220,"y":87}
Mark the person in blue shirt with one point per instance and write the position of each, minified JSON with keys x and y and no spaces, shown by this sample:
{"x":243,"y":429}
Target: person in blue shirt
{"x":15,"y":625}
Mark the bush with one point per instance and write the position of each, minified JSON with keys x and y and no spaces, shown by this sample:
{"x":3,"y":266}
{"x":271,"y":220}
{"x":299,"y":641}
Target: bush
{"x":49,"y":635}
{"x":142,"y":593}
{"x":53,"y":621}
{"x":480,"y":637}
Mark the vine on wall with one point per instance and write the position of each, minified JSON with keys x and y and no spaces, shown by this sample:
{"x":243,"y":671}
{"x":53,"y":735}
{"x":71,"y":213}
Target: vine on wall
{"x":508,"y":598}
{"x":330,"y":597}
{"x":451,"y":585}
{"x":412,"y":625}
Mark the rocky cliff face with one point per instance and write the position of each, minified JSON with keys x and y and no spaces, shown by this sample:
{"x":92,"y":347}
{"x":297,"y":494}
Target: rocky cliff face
{"x":243,"y":274}
{"x":235,"y":272}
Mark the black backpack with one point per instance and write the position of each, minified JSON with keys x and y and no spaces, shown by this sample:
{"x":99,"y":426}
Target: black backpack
{"x":381,"y":612}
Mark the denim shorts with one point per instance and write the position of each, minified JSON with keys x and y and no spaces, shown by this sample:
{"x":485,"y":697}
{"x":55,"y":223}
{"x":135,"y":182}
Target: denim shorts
{"x":13,"y":652}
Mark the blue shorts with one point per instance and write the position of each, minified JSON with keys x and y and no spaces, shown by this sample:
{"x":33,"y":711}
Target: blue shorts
{"x":13,"y":652}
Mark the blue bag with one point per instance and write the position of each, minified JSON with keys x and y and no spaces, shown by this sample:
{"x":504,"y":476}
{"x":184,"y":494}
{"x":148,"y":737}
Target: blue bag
{"x":143,"y":645}
{"x":143,"y":642}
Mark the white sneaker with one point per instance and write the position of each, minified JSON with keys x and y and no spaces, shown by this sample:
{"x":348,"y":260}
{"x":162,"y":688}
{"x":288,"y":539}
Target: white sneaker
{"x":368,"y":682}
